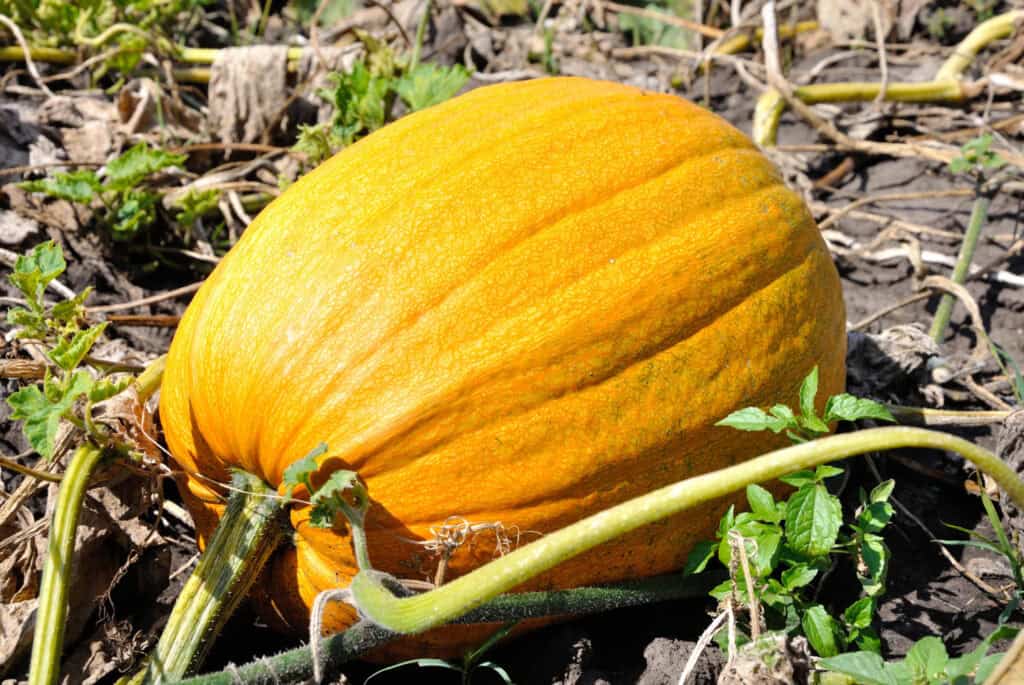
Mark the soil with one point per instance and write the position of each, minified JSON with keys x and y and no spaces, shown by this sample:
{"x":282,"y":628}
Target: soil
{"x":926,"y":594}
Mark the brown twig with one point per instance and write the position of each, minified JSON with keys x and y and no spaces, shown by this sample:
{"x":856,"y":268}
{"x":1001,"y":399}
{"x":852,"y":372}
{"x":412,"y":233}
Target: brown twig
{"x":160,"y":297}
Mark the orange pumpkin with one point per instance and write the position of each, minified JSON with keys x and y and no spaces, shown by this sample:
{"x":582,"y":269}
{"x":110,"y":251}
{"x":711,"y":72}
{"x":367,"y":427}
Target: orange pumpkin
{"x":519,"y":307}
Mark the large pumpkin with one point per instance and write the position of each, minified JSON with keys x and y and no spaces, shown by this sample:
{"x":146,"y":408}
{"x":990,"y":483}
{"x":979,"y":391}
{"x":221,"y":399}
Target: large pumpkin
{"x":520,"y":307}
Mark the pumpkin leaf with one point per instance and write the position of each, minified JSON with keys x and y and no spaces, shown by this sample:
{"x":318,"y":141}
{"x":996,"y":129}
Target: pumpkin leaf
{"x":68,"y":353}
{"x":300,"y":472}
{"x":76,"y":186}
{"x":35,"y":270}
{"x":430,"y":84}
{"x":125,"y":172}
{"x":329,"y":501}
{"x":41,"y":408}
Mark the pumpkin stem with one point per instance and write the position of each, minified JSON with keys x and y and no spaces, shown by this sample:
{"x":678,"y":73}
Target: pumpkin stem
{"x":251,"y":529}
{"x":441,"y":605}
{"x":297,"y":665}
{"x":48,"y":639}
{"x":51,"y":616}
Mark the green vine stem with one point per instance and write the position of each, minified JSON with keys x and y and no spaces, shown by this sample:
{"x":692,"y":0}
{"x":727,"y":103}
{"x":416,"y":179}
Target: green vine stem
{"x":441,"y":605}
{"x":250,"y":530}
{"x":48,"y":639}
{"x":297,"y":666}
{"x":945,"y":87}
{"x":979,"y":214}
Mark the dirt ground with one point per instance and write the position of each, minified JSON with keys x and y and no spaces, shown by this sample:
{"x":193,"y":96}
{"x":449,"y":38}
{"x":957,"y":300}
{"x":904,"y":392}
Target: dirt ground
{"x":884,"y":249}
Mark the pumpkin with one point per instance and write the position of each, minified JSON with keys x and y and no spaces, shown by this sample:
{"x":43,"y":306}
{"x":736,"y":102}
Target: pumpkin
{"x":506,"y":312}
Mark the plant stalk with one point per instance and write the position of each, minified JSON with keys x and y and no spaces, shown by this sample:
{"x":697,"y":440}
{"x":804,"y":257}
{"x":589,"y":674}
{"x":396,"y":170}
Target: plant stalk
{"x":250,"y":530}
{"x":979,"y":213}
{"x":441,"y":605}
{"x":51,"y":616}
{"x":296,"y":665}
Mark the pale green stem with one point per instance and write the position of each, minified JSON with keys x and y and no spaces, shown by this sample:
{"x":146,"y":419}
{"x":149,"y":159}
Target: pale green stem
{"x":443,"y":604}
{"x":51,"y":616}
{"x":421,"y":31}
{"x":149,"y":380}
{"x":984,"y":33}
{"x":248,"y":533}
{"x":297,"y":666}
{"x":945,"y":87}
{"x":979,"y":213}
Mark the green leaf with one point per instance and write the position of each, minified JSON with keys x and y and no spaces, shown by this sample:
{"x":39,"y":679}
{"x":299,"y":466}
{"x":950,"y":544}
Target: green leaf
{"x":860,"y":613}
{"x":868,"y":640}
{"x":798,"y":479}
{"x":300,"y":472}
{"x":34,"y":271}
{"x":644,"y":30}
{"x":927,"y":658}
{"x":808,"y":391}
{"x":846,"y":407}
{"x":68,"y":353}
{"x":41,"y":408}
{"x":360,"y":100}
{"x":882,"y":491}
{"x":813,"y":518}
{"x":959,"y":165}
{"x":762,"y":504}
{"x":874,"y":558}
{"x":863,"y":667}
{"x":430,"y":84}
{"x":825,"y":472}
{"x":126,"y":171}
{"x":196,"y":204}
{"x":875,"y":517}
{"x":798,"y":576}
{"x":106,"y":388}
{"x":328,"y":500}
{"x":698,"y":558}
{"x":821,"y":630}
{"x":751,"y":419}
{"x":67,"y":311}
{"x":985,"y":667}
{"x":76,"y":186}
{"x":136,"y":211}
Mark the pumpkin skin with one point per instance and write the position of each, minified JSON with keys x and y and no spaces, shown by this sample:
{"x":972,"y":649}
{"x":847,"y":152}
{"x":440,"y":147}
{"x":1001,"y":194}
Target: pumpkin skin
{"x":524,"y":305}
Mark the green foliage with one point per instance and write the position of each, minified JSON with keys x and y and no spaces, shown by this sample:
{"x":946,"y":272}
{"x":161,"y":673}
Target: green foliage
{"x":790,"y":544}
{"x":468,"y":665}
{"x":927,"y":663}
{"x":362,"y":99}
{"x":649,"y":31}
{"x":153,"y":25}
{"x":62,"y":328}
{"x":129,"y":207}
{"x":977,"y":157}
{"x":427,"y":84}
{"x":807,"y":425}
{"x":341,"y":493}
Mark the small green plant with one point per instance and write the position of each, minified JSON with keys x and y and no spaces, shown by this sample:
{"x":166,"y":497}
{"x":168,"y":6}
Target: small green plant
{"x":806,"y":425}
{"x":977,"y":157}
{"x":128,"y":205}
{"x":131,"y":27}
{"x":649,"y":31}
{"x":792,"y":544}
{"x":927,"y":663}
{"x":363,"y":98}
{"x":465,"y":667}
{"x":62,"y":329}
